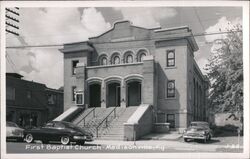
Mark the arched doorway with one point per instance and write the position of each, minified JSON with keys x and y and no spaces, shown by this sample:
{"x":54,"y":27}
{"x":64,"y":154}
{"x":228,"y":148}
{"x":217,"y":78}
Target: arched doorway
{"x":113,"y":94}
{"x":95,"y":95}
{"x":133,"y":93}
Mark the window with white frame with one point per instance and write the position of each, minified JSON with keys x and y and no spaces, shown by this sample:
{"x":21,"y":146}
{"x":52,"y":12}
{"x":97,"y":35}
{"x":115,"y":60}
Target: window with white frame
{"x":170,"y":58}
{"x":170,"y":89}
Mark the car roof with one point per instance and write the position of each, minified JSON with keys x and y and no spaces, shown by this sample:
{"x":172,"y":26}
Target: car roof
{"x":203,"y":122}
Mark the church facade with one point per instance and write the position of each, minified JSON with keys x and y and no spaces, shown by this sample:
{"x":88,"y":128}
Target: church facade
{"x":129,"y":65}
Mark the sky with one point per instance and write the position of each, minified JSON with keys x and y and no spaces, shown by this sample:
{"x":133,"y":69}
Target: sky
{"x":46,"y":26}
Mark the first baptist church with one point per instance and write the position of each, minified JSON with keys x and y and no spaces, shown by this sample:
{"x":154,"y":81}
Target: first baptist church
{"x":131,"y":66}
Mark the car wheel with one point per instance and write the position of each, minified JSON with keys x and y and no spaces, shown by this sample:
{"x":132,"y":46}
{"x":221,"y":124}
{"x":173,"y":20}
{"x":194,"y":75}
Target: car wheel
{"x":185,"y":139}
{"x":29,"y":138}
{"x":65,"y":140}
{"x":80,"y":142}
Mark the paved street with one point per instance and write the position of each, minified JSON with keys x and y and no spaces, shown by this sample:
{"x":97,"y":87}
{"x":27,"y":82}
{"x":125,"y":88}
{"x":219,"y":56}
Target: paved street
{"x":220,"y":144}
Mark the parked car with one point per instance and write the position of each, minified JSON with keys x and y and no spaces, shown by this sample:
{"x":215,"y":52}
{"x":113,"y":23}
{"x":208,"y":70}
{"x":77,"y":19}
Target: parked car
{"x":13,"y":131}
{"x":62,"y":131}
{"x":198,"y":130}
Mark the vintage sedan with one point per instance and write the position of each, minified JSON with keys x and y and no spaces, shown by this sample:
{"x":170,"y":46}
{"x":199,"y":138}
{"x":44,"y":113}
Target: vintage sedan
{"x":62,"y":131}
{"x":198,"y":130}
{"x":13,"y":131}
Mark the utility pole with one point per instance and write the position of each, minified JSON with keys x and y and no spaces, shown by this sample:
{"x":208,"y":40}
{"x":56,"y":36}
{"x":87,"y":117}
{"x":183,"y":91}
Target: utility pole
{"x":12,"y":22}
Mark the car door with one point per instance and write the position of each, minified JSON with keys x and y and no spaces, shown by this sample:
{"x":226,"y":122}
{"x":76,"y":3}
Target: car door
{"x":58,"y":131}
{"x":46,"y":131}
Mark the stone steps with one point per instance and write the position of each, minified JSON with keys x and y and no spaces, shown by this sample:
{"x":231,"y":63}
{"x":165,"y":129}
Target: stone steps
{"x":116,"y":130}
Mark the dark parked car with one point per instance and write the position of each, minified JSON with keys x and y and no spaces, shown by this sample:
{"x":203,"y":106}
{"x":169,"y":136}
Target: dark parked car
{"x":62,"y":131}
{"x":13,"y":131}
{"x":198,"y":130}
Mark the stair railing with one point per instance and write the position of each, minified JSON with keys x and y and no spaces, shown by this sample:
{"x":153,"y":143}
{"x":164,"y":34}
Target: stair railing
{"x":84,"y":118}
{"x":106,"y":120}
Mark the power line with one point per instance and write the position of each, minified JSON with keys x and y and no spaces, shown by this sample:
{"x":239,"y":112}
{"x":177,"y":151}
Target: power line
{"x":72,"y":34}
{"x":61,"y":45}
{"x":198,"y":17}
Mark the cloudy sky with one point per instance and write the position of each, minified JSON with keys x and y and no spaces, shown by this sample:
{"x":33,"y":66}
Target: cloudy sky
{"x":43,"y":26}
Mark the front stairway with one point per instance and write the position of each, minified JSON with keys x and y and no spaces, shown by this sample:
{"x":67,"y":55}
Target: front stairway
{"x":116,"y":129}
{"x":110,"y":129}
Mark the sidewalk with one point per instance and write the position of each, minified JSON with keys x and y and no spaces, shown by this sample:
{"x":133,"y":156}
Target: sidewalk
{"x":162,"y":136}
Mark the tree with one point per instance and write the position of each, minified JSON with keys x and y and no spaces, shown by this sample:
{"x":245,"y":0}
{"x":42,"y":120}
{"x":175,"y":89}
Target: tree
{"x":225,"y":71}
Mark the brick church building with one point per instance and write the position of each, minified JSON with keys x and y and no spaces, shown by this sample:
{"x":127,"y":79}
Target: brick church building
{"x":130,"y":66}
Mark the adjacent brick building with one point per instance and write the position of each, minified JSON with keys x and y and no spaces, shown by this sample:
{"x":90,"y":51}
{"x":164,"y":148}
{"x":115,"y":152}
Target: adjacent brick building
{"x":129,"y":65}
{"x":29,"y":103}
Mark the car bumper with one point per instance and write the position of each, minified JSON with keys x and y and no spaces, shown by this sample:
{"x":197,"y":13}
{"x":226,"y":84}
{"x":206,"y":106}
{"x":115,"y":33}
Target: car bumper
{"x":14,"y":138}
{"x":194,"y":137}
{"x":85,"y":138}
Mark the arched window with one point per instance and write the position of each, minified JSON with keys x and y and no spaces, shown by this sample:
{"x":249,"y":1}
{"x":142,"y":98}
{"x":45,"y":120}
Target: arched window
{"x":170,"y":88}
{"x":104,"y":61}
{"x":116,"y":60}
{"x":141,"y":56}
{"x":170,"y":58}
{"x":129,"y":59}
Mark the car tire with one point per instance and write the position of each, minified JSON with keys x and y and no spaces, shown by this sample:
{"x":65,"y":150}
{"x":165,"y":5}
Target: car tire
{"x":65,"y":140}
{"x":185,"y":139}
{"x":80,"y":142}
{"x":29,"y":138}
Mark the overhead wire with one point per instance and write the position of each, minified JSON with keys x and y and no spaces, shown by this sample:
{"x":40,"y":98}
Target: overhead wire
{"x":61,"y":45}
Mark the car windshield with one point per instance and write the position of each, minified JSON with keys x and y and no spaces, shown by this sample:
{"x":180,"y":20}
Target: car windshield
{"x":11,"y":124}
{"x":69,"y":125}
{"x":199,"y":124}
{"x":49,"y":125}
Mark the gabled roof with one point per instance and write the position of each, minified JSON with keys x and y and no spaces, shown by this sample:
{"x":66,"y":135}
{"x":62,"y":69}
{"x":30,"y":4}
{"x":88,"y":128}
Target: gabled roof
{"x":123,"y":22}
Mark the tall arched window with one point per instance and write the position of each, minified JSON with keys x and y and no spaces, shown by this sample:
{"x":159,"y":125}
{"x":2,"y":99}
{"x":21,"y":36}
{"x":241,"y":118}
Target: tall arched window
{"x":103,"y":60}
{"x":141,"y":56}
{"x":170,"y":58}
{"x":116,"y":60}
{"x":129,"y":59}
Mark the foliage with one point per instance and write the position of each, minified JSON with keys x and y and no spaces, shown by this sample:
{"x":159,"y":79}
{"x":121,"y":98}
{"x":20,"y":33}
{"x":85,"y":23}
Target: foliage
{"x":225,"y":71}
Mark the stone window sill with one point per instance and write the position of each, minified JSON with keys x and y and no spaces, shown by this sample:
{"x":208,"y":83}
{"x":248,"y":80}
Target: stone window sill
{"x":170,"y":67}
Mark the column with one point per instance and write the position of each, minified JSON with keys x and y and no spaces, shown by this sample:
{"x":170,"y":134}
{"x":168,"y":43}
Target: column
{"x":123,"y":94}
{"x":103,"y":95}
